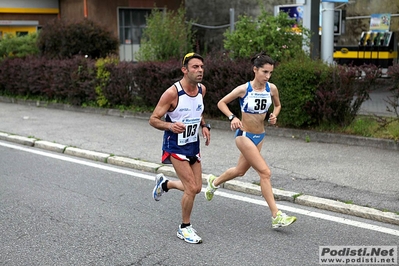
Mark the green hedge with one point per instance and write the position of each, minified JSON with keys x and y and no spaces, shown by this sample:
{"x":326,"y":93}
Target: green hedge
{"x":311,"y":92}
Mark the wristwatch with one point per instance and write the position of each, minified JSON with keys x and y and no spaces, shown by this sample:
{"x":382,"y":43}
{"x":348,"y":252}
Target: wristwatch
{"x":207,"y":126}
{"x":231,"y":117}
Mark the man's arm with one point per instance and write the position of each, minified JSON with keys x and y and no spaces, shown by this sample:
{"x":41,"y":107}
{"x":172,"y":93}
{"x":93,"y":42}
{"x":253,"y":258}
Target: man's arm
{"x":165,"y":103}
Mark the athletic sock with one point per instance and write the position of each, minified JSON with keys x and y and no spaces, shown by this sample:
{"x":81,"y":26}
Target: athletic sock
{"x":183,"y":225}
{"x":165,"y":186}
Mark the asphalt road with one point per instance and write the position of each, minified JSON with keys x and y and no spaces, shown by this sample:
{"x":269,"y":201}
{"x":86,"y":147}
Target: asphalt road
{"x":62,"y":210}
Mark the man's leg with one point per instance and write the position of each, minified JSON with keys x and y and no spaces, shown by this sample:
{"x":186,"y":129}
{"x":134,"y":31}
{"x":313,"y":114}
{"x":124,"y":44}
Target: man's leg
{"x":191,"y":179}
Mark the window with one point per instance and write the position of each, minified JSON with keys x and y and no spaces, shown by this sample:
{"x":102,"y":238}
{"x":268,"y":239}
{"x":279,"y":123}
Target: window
{"x":131,"y":25}
{"x":21,"y":33}
{"x":337,"y":22}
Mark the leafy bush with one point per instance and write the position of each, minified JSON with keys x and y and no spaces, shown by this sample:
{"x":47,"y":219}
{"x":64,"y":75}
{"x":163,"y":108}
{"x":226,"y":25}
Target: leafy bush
{"x":222,"y":75}
{"x":340,"y":94}
{"x":13,"y":46}
{"x":119,"y":89}
{"x":61,"y":39}
{"x":297,"y":80}
{"x":103,"y":78}
{"x":71,"y":81}
{"x":271,"y":34}
{"x":13,"y":77}
{"x":311,"y":92}
{"x":167,"y":36}
{"x":151,"y":79}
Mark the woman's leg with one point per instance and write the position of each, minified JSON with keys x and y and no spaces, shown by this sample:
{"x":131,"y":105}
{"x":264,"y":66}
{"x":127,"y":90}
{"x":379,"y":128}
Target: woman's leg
{"x":252,"y":157}
{"x":239,"y":170}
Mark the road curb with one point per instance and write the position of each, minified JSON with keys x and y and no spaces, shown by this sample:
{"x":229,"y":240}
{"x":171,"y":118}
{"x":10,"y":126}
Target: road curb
{"x":234,"y":185}
{"x":51,"y":146}
{"x":133,"y":163}
{"x":341,"y":207}
{"x":92,"y":155}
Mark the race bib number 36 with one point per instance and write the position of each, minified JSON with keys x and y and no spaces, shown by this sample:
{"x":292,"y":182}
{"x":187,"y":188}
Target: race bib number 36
{"x":191,"y":132}
{"x":258,"y":102}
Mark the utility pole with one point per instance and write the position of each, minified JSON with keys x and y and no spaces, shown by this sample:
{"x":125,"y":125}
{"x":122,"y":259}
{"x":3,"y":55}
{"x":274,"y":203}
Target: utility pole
{"x":311,"y":17}
{"x":327,"y":30}
{"x":231,"y":20}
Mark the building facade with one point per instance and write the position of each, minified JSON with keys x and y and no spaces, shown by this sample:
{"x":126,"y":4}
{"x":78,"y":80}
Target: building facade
{"x":126,"y":19}
{"x":20,"y":17}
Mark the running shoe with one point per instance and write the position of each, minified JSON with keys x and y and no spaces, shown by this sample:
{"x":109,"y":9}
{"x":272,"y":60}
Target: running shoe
{"x":158,"y":191}
{"x":282,"y":219}
{"x":189,"y":234}
{"x":210,"y":189}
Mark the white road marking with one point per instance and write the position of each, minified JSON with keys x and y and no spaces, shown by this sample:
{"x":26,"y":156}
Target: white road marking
{"x":78,"y":161}
{"x":313,"y":214}
{"x":220,"y":193}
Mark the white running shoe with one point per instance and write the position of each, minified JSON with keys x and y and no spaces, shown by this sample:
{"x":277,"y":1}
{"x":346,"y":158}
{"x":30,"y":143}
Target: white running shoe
{"x":158,"y":191}
{"x":189,"y":234}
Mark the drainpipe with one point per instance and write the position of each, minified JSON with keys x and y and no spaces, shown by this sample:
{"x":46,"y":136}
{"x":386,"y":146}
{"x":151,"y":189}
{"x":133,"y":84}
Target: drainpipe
{"x":85,"y":13}
{"x":59,"y":9}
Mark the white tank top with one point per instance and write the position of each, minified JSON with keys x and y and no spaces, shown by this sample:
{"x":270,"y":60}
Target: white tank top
{"x":188,"y":111}
{"x":255,"y":102}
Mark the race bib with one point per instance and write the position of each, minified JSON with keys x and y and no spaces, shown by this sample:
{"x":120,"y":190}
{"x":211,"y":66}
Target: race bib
{"x":258,"y":103}
{"x":191,"y":133}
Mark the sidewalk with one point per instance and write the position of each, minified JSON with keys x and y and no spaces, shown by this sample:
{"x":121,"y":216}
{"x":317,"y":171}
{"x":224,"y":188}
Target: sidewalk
{"x":377,"y":104}
{"x":309,"y":173}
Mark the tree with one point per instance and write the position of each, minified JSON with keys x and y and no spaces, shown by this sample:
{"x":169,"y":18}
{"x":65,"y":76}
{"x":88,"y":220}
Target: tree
{"x":271,"y":34}
{"x":167,"y":36}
